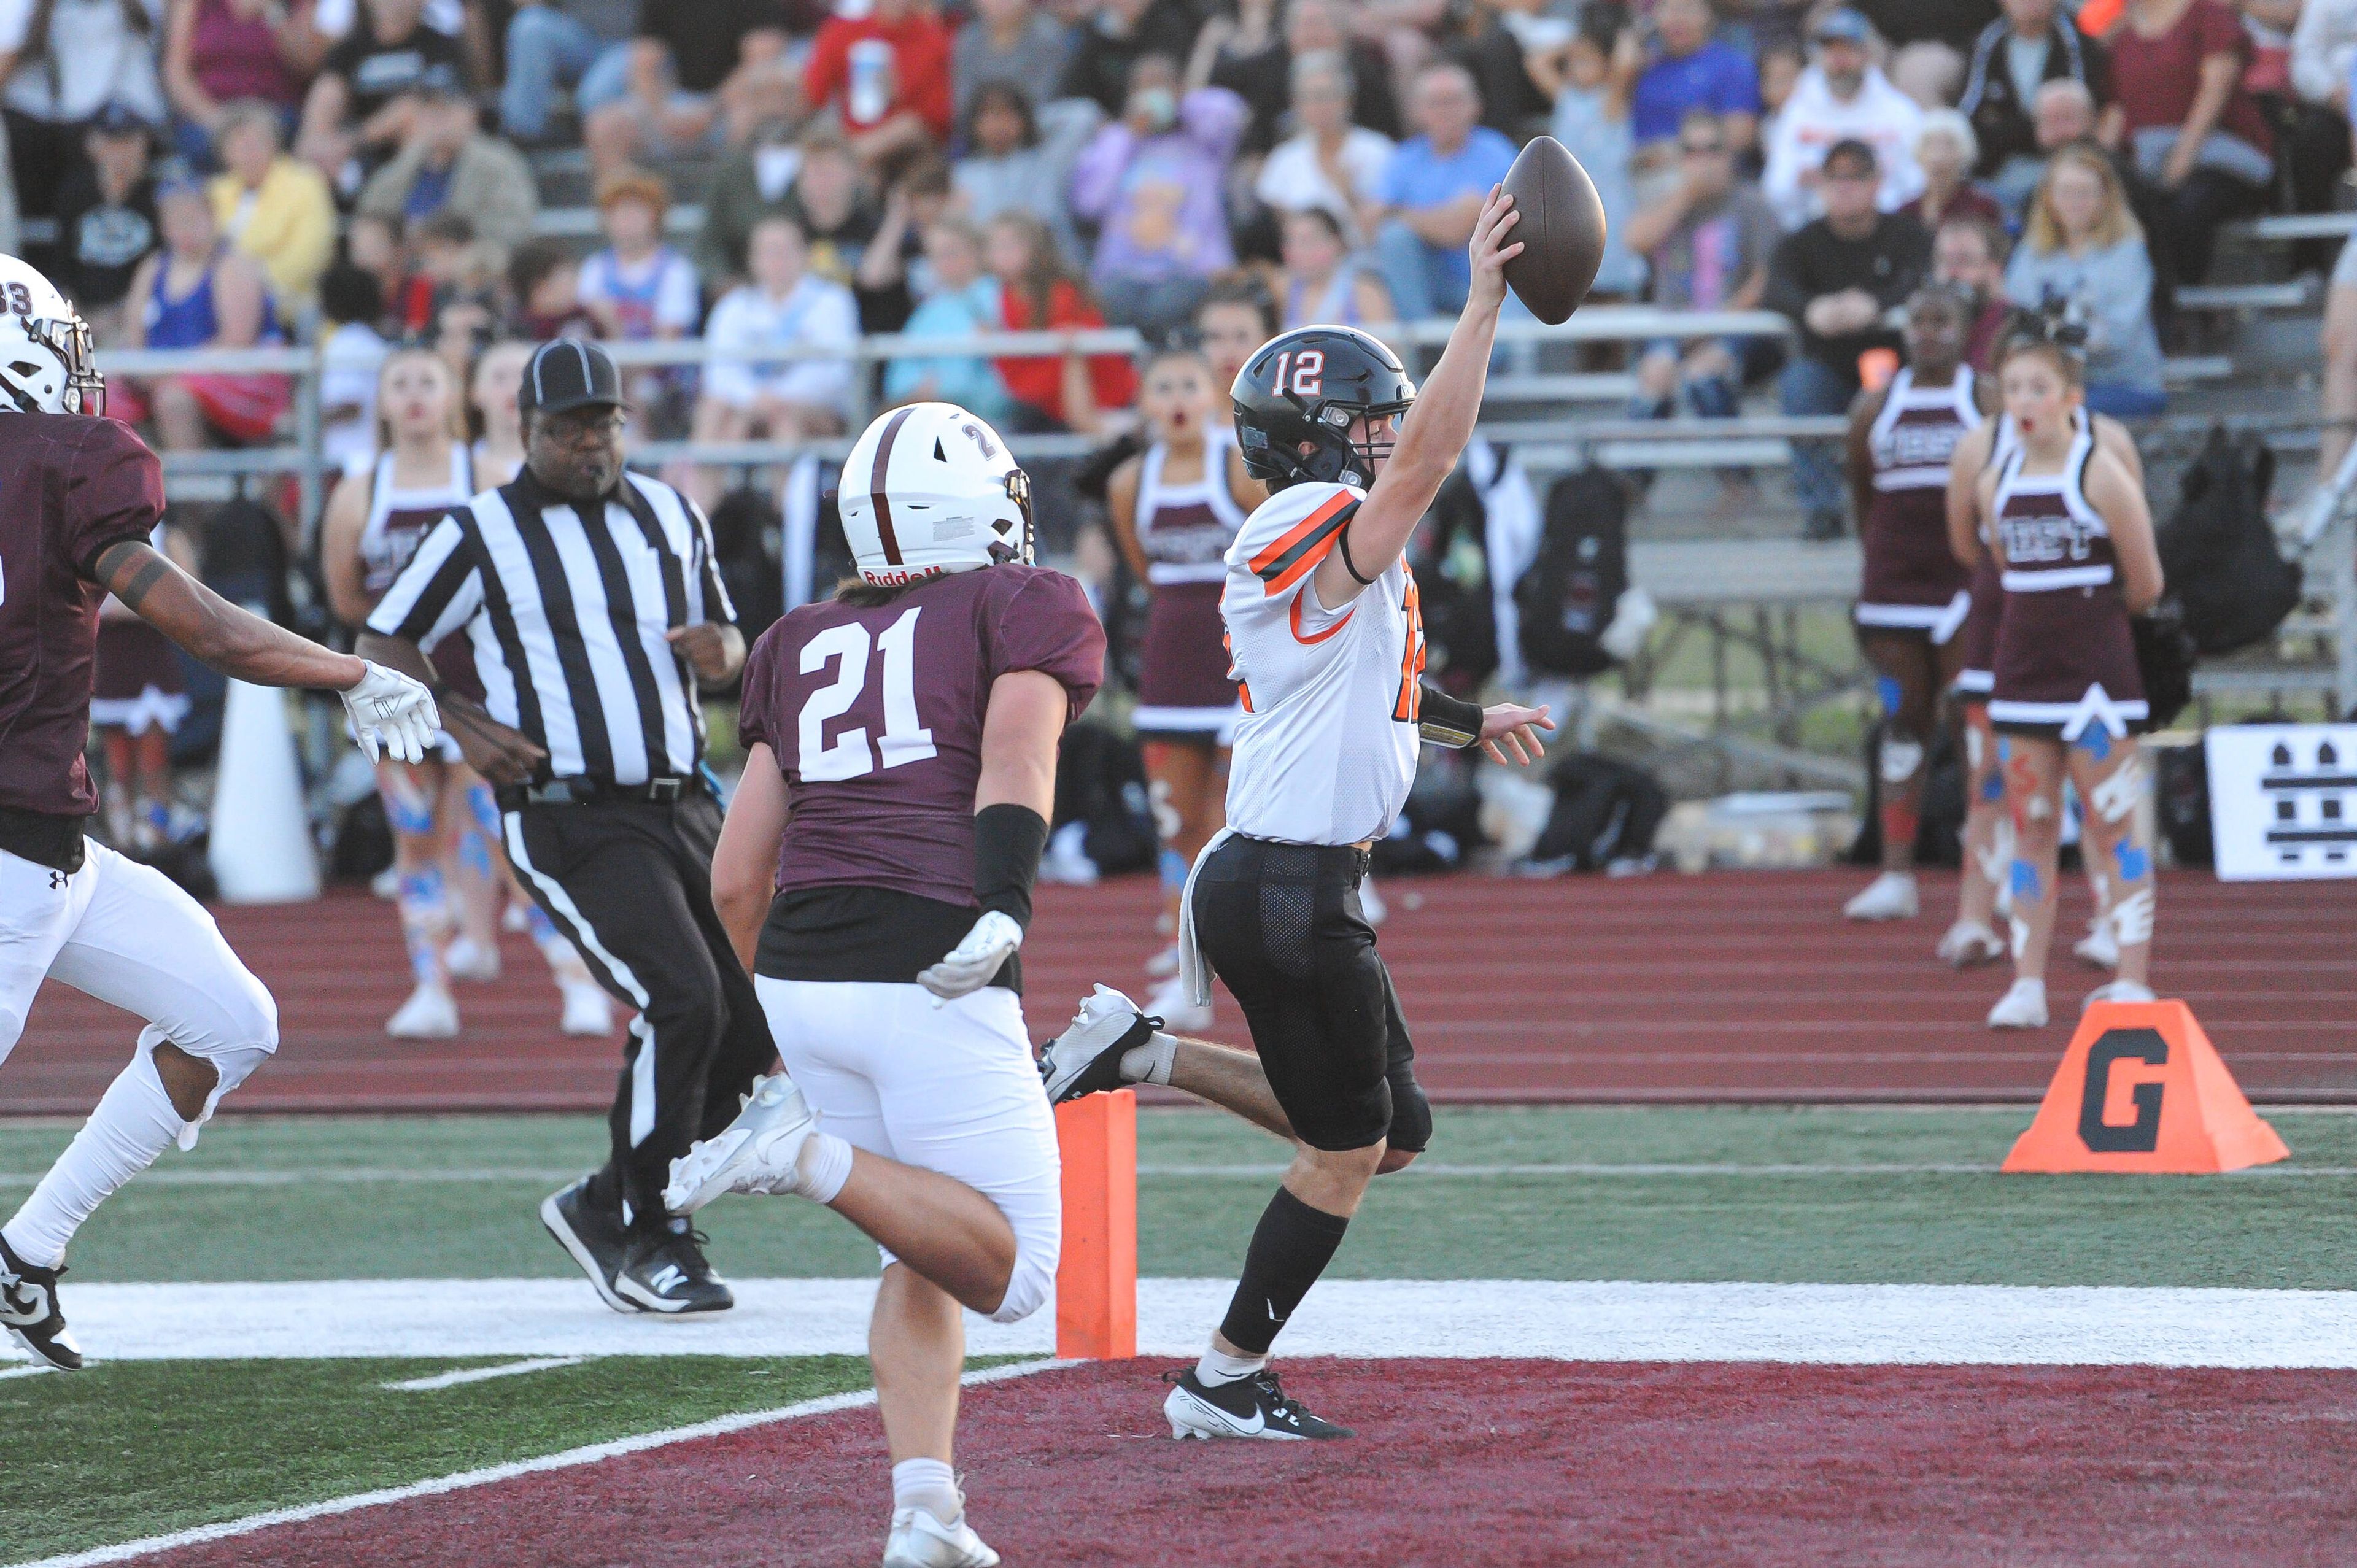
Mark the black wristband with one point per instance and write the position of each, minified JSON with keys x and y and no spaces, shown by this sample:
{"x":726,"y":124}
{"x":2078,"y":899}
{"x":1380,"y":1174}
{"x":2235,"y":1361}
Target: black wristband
{"x":1008,"y":842}
{"x":1444,"y":720}
{"x":1342,"y":543}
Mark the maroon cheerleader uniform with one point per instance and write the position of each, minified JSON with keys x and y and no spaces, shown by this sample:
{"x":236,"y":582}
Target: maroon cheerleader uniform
{"x":1184,"y":691}
{"x":1913,"y":582}
{"x":2065,"y":654}
{"x":398,"y":522}
{"x":1977,"y":639}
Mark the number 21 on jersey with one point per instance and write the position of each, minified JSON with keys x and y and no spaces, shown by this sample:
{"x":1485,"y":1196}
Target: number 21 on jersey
{"x":904,"y":739}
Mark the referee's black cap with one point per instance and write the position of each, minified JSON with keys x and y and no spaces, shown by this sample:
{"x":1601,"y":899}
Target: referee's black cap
{"x":568,"y":373}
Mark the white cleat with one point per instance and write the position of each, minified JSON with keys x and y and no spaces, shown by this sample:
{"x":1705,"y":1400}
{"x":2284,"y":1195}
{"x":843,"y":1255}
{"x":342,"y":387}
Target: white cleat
{"x":757,"y":1152}
{"x":428,"y":1014}
{"x":1086,"y":1058}
{"x":2118,"y":991}
{"x":1889,"y":897}
{"x":1179,"y":1015}
{"x":2099,"y":948}
{"x":1163,"y":964}
{"x":921,"y":1541}
{"x":1969,"y":944}
{"x":587,"y":1009}
{"x":466,"y":961}
{"x":2023,"y":1006}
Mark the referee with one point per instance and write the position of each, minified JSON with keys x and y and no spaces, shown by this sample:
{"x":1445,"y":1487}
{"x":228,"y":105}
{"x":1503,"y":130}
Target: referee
{"x":595,"y":610}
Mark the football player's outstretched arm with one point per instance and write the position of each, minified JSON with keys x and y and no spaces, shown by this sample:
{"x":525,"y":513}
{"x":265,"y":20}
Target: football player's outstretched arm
{"x":745,"y":861}
{"x":387,"y":708}
{"x":1433,"y":435}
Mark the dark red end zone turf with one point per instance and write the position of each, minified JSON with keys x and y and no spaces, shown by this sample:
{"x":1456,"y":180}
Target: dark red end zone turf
{"x":1478,"y":1464}
{"x":1730,"y":985}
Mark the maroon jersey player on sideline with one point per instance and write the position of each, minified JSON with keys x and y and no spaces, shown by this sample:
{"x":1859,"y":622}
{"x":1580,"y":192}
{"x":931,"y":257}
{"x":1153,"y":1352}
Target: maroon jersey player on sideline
{"x":902,"y":740}
{"x":79,"y":497}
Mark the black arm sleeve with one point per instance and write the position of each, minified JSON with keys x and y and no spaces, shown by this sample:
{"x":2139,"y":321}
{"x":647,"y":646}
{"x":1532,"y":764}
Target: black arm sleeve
{"x":1444,"y":720}
{"x":1008,"y":841}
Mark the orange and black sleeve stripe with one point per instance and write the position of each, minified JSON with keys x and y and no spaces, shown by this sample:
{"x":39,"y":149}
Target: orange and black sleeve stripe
{"x":1296,"y":555}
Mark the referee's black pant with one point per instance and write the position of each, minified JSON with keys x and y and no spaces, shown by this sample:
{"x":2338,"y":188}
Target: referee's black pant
{"x":630,"y":882}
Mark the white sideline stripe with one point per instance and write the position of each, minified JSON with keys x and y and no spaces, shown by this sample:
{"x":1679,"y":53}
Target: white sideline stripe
{"x":1857,"y":1325}
{"x":595,"y":1452}
{"x":482,"y":1374}
{"x":34,"y":1370}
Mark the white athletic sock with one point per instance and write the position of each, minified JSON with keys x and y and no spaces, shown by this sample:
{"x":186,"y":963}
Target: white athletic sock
{"x":824,"y":1165}
{"x":135,"y":1123}
{"x":1217,"y":1367}
{"x":1151,"y":1062}
{"x":930,"y":1484}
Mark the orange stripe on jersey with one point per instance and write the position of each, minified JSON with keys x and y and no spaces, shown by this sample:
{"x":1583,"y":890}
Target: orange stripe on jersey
{"x":1297,"y":554}
{"x":1313,"y":638}
{"x":1243,"y":687}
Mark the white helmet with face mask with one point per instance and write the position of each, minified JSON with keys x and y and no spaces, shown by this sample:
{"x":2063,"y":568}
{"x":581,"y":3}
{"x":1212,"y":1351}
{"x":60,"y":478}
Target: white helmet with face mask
{"x":47,"y":362}
{"x":930,"y":490}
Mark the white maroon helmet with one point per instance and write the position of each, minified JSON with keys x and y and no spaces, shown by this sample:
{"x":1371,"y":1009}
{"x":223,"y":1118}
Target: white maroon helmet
{"x":930,"y":490}
{"x":47,"y":365}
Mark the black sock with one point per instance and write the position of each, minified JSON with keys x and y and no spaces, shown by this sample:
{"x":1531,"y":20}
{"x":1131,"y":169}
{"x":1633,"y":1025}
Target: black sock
{"x":1290,"y":1247}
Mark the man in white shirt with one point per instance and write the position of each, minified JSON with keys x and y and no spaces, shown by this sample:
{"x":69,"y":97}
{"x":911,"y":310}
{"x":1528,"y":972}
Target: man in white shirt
{"x":1330,"y":164}
{"x":1843,"y":97}
{"x":785,"y":307}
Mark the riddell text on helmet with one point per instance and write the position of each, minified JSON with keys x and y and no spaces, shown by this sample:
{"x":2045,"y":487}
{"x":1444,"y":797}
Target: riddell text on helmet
{"x":888,"y":577}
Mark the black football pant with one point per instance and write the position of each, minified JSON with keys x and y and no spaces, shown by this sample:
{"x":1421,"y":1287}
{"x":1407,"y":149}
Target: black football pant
{"x":630,"y":882}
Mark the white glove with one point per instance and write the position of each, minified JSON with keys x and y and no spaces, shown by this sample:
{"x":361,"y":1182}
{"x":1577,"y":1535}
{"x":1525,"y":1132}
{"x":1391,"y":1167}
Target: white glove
{"x":972,"y":964}
{"x":391,"y":711}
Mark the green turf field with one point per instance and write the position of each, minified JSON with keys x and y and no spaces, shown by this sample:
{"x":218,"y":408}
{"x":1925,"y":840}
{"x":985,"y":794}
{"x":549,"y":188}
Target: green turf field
{"x":1829,"y":1196}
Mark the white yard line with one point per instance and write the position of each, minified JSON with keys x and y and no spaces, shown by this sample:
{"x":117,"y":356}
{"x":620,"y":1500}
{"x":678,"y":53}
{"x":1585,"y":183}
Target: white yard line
{"x":1864,"y":1325}
{"x":595,"y":1452}
{"x":482,"y":1374}
{"x":32,"y":1370}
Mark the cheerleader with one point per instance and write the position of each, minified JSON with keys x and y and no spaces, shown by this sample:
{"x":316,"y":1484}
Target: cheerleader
{"x":1913,"y":600}
{"x":1984,"y":893}
{"x":499,"y":450}
{"x":2075,"y":557}
{"x":445,"y":822}
{"x":1175,"y":507}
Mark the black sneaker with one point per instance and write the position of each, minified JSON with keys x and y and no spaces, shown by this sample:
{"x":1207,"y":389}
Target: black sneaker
{"x":665,"y":1271}
{"x":29,"y":1306}
{"x":1250,"y":1407}
{"x":1086,"y":1058}
{"x":593,"y":1235}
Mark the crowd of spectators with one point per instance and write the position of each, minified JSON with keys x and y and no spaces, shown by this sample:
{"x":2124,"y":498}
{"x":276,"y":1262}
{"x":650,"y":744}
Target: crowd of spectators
{"x":222,"y":173}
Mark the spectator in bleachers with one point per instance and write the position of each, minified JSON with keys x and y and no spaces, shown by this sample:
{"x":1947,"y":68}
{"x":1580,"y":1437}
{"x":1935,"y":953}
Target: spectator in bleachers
{"x":1322,"y":281}
{"x":1709,"y":242}
{"x":962,"y":300}
{"x":545,"y":292}
{"x":1319,"y":27}
{"x":217,"y":53}
{"x":464,"y":22}
{"x":1051,"y":392}
{"x":637,"y":288}
{"x":2033,"y":45}
{"x":894,"y":273}
{"x":107,"y":218}
{"x":1591,"y":77}
{"x":1945,"y":151}
{"x":1432,"y":191}
{"x":1843,"y":97}
{"x":1111,"y":38}
{"x":830,"y":200}
{"x":1017,"y":42}
{"x":1248,"y":55}
{"x":783,"y":307}
{"x":684,"y":78}
{"x":446,"y":163}
{"x":1835,"y":277}
{"x":275,"y":207}
{"x":2182,"y":118}
{"x":580,"y":44}
{"x":2083,"y":247}
{"x":1969,"y":253}
{"x":1928,"y":40}
{"x":1154,"y":182}
{"x":1691,"y":71}
{"x":84,"y":55}
{"x":362,"y":102}
{"x":749,"y":185}
{"x":1010,"y":165}
{"x":200,"y":292}
{"x":886,"y":73}
{"x":457,"y":286}
{"x":375,"y":246}
{"x":1493,"y":39}
{"x":1328,"y":164}
{"x":350,"y":307}
{"x":1780,"y":65}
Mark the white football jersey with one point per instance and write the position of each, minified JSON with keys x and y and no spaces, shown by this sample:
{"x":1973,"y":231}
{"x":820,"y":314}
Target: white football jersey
{"x":1325,"y":749}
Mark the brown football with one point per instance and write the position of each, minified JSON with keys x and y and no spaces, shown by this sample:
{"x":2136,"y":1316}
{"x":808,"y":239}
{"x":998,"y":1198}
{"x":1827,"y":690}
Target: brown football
{"x":1561,"y":230}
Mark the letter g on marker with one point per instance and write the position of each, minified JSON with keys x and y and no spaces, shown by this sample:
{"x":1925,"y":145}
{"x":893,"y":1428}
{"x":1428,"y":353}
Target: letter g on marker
{"x":2142,"y":1135}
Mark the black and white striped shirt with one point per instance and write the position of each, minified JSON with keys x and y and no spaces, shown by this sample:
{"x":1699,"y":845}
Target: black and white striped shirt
{"x":567,"y":617}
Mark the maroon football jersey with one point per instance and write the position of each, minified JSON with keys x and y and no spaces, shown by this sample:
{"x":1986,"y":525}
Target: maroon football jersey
{"x":70,"y":486}
{"x":874,"y":716}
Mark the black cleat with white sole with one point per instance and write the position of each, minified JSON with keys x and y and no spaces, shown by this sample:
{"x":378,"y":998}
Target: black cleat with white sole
{"x":592,"y":1236}
{"x":1086,"y":1058}
{"x":1253,"y":1407}
{"x":664,"y":1270}
{"x":29,"y":1308}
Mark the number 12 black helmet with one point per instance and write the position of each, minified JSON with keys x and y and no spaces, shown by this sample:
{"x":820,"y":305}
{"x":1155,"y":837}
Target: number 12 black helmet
{"x":1297,"y":397}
